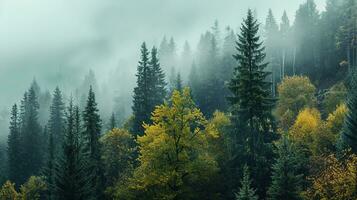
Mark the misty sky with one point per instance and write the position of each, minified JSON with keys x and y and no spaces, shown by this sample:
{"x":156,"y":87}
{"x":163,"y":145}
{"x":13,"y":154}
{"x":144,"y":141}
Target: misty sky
{"x":55,"y":40}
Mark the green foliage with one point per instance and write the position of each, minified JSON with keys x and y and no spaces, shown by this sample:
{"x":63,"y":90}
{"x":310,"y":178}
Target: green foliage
{"x":295,"y":93}
{"x":349,"y":135}
{"x":14,"y":145}
{"x":252,"y":104}
{"x":118,"y":154}
{"x":246,"y":192}
{"x":286,"y":180}
{"x":150,"y":90}
{"x":335,"y":96}
{"x":8,"y":192}
{"x":72,"y":177}
{"x":174,"y":163}
{"x":33,"y":189}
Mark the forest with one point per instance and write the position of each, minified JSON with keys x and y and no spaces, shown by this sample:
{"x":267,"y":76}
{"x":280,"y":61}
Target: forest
{"x":267,"y":111}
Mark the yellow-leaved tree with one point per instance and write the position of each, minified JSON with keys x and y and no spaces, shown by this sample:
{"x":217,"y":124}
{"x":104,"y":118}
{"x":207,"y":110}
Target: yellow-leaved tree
{"x":336,"y":181}
{"x":295,"y":93}
{"x":175,"y":162}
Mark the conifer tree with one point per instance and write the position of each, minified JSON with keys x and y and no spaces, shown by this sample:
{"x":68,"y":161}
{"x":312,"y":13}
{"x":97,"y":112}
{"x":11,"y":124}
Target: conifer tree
{"x":56,"y":120}
{"x":150,"y":90}
{"x":91,"y":135}
{"x":286,"y":180}
{"x":178,"y":82}
{"x":157,"y":84}
{"x":349,"y":133}
{"x":112,"y":122}
{"x":251,"y":101}
{"x":48,"y":171}
{"x":72,"y":180}
{"x":14,"y":145}
{"x":141,"y":104}
{"x":246,"y":192}
{"x":31,"y":141}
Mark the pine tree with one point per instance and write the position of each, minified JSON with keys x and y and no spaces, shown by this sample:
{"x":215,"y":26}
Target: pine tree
{"x":272,"y":39}
{"x":72,"y":180}
{"x":56,"y":121}
{"x":141,"y":101}
{"x":157,"y":84}
{"x":349,"y":133}
{"x":91,"y":135}
{"x":251,"y":101}
{"x":178,"y":83}
{"x":284,"y":42}
{"x":150,"y":90}
{"x":14,"y":145}
{"x":246,"y":192}
{"x":112,"y":122}
{"x":286,"y":180}
{"x":31,"y":141}
{"x":48,"y":171}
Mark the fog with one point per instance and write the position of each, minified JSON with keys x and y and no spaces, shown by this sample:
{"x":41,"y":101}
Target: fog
{"x":58,"y":41}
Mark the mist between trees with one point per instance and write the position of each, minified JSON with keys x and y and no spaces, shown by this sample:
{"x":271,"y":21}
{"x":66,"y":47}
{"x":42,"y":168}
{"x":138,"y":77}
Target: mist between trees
{"x":267,"y":111}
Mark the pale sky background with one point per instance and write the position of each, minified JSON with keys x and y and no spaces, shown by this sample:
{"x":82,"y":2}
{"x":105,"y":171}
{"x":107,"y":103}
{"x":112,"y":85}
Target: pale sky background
{"x":56,"y":40}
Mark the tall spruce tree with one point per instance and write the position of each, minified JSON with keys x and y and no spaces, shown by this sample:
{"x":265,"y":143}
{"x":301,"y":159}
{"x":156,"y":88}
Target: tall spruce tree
{"x":349,"y":133}
{"x":31,"y":141}
{"x":157,"y":84}
{"x":49,"y":169}
{"x":150,"y":90}
{"x":252,"y":104}
{"x":72,"y":180}
{"x":286,"y":180}
{"x":91,"y":135}
{"x":14,"y":145}
{"x":141,"y":104}
{"x":246,"y":192}
{"x":56,"y":121}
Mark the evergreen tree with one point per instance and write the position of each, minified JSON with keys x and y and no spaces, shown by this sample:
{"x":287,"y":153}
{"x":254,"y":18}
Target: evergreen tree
{"x":306,"y":39}
{"x":253,"y":123}
{"x":285,"y":43}
{"x":56,"y":120}
{"x":246,"y":192}
{"x":141,"y":104}
{"x":150,"y":90}
{"x":157,"y":84}
{"x":178,"y":82}
{"x":48,"y":171}
{"x":91,"y":135}
{"x":272,"y":39}
{"x":349,"y":133}
{"x":286,"y":180}
{"x":112,"y":122}
{"x":193,"y":82}
{"x":31,"y":141}
{"x":14,"y":145}
{"x":72,"y":180}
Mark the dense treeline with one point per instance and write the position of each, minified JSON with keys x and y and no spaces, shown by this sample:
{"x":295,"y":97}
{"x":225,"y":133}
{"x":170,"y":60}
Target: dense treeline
{"x":267,"y":113}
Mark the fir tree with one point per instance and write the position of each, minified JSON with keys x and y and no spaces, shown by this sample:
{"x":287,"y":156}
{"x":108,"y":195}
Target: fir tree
{"x":72,"y":180}
{"x":31,"y":141}
{"x":56,"y":121}
{"x":286,"y":180}
{"x":251,"y":101}
{"x":349,"y":133}
{"x":13,"y":150}
{"x":112,"y":122}
{"x":141,"y":101}
{"x":178,"y":82}
{"x":246,"y":192}
{"x":91,"y":135}
{"x":48,"y":171}
{"x":150,"y":90}
{"x":157,"y":84}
